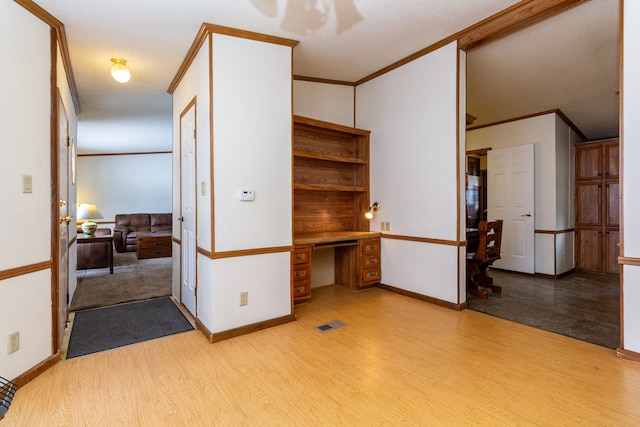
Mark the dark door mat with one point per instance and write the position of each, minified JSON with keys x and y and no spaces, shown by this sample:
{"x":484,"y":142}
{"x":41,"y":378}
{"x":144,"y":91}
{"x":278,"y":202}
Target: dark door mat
{"x":119,"y":325}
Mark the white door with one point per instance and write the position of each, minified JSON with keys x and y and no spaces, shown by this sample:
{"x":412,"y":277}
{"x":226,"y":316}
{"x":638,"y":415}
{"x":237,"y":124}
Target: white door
{"x":510,"y":194}
{"x":63,"y":220}
{"x":188,"y":208}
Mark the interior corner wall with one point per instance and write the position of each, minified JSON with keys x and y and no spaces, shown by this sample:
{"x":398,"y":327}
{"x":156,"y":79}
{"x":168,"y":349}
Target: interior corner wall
{"x":412,"y":115}
{"x":124,"y":184}
{"x":332,"y":103}
{"x":630,"y":247}
{"x":25,"y":299}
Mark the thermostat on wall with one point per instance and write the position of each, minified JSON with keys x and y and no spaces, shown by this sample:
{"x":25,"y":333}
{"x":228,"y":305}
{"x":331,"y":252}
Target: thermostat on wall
{"x":245,"y":194}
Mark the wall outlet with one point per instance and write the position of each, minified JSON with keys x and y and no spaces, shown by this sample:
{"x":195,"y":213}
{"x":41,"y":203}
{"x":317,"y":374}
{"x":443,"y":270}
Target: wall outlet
{"x":244,"y":298}
{"x":13,"y":343}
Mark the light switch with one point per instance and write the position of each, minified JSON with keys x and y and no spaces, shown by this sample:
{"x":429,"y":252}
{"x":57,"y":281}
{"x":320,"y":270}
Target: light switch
{"x":203,"y":188}
{"x":27,"y":183}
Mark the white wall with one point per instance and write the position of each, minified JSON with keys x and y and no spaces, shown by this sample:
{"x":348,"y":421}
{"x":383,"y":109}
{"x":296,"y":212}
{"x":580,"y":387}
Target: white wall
{"x":631,"y":176}
{"x":25,"y":105}
{"x":552,"y":141}
{"x":412,"y":114}
{"x":122,"y":184}
{"x":324,"y":101}
{"x":251,"y":150}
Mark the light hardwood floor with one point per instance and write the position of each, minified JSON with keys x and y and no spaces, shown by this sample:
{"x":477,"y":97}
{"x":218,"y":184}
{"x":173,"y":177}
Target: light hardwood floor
{"x":398,"y":361}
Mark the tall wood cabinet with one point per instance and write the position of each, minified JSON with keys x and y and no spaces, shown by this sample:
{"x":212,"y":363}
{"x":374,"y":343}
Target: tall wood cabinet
{"x":597,"y":206}
{"x":330,"y":197}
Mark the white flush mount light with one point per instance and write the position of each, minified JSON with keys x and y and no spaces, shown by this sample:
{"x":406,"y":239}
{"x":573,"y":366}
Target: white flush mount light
{"x":119,"y":70}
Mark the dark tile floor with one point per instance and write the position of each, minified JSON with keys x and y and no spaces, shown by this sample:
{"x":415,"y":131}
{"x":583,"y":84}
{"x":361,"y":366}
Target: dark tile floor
{"x":580,"y":305}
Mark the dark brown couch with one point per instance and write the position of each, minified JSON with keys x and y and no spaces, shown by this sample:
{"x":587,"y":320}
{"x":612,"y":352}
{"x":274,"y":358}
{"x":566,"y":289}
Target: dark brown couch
{"x":129,"y":226}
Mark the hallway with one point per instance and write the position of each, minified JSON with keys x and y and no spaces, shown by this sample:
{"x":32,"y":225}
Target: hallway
{"x":581,"y":305}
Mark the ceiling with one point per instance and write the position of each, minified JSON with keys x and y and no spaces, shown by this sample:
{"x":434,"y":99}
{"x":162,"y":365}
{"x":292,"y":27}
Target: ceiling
{"x":568,"y":62}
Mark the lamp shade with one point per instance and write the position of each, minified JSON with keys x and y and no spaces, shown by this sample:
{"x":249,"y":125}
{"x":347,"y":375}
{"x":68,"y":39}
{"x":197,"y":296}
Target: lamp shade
{"x":89,"y":212}
{"x":119,"y":70}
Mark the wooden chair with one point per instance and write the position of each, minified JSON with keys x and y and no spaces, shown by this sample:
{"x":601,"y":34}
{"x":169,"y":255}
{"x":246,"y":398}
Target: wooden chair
{"x":489,"y":240}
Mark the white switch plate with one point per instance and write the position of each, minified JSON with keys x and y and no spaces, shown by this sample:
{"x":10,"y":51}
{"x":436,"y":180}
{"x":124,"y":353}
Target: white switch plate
{"x":244,"y":298}
{"x":27,"y":184}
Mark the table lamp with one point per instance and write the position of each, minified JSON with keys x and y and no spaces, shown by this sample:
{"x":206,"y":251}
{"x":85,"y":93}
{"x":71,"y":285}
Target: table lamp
{"x":89,"y":212}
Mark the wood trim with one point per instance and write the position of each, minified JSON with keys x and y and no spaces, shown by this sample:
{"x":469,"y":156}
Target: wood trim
{"x":247,"y":252}
{"x":556,"y":111}
{"x":421,"y":297}
{"x":566,"y":230}
{"x":621,"y":352}
{"x":458,"y":158}
{"x":425,"y":240}
{"x":24,"y":269}
{"x":189,"y":58}
{"x":34,"y":372}
{"x":519,"y":16}
{"x":501,"y":24}
{"x":326,"y":81}
{"x":331,"y":126}
{"x":628,"y":355}
{"x":176,"y":240}
{"x":124,"y":154}
{"x":61,"y":37}
{"x":204,"y":252}
{"x":478,"y":152}
{"x":54,"y":134}
{"x":243,"y":330}
{"x":629,"y":261}
{"x":208,"y":29}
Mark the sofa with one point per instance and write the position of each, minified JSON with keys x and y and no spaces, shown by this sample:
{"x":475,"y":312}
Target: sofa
{"x":129,"y":226}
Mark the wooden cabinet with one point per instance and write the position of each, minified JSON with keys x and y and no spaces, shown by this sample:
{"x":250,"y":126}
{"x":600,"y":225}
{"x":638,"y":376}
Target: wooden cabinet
{"x":330,"y":198}
{"x":301,"y":273}
{"x":150,"y":246}
{"x":597,"y":207}
{"x":370,"y":261}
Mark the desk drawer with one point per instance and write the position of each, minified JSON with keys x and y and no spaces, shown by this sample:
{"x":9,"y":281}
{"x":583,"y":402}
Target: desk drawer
{"x":301,"y":290}
{"x":300,"y":255}
{"x":370,"y":246}
{"x":370,"y":276}
{"x":301,"y":272}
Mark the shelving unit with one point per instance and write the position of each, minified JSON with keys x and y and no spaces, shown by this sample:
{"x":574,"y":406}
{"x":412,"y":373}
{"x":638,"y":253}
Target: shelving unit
{"x":331,"y":195}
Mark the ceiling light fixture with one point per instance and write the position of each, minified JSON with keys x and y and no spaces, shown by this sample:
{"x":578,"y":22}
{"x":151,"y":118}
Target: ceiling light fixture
{"x":119,"y":70}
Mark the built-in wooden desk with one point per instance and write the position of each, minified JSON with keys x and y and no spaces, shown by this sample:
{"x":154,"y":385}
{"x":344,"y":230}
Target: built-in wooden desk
{"x":357,"y":259}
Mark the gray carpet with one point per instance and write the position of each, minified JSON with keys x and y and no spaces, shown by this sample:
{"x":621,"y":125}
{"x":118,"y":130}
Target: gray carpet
{"x":105,"y":328}
{"x":132,"y":280}
{"x":581,"y":305}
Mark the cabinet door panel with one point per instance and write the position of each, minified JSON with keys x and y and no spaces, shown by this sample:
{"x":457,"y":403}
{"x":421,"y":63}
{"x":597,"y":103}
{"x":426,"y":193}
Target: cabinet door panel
{"x":588,"y":162}
{"x":589,"y":248}
{"x":612,"y":205}
{"x":612,"y":156}
{"x":588,"y":204}
{"x":613,"y":251}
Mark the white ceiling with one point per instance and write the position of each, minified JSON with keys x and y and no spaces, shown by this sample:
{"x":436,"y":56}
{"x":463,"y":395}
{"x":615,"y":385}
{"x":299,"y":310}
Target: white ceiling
{"x":567,"y":62}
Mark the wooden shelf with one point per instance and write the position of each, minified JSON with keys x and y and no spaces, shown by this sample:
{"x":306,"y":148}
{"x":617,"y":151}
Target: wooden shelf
{"x":329,"y":158}
{"x":321,"y":187}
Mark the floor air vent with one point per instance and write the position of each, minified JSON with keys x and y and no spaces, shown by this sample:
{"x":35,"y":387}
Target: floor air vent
{"x":330,"y":326}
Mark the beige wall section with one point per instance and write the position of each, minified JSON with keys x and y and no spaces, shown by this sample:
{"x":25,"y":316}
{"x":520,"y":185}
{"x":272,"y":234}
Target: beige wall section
{"x":323,"y":101}
{"x":412,"y":114}
{"x":552,"y":139}
{"x":631,"y":175}
{"x":135,"y":183}
{"x":25,"y":300}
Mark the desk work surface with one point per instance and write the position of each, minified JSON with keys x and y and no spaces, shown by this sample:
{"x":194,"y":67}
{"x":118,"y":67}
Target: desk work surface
{"x":332,"y":236}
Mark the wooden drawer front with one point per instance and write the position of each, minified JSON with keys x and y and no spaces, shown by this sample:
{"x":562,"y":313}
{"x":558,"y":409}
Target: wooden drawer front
{"x":301,"y":290}
{"x":156,"y":247}
{"x":301,"y":272}
{"x":371,"y":261}
{"x":370,"y":275}
{"x":301,"y":255}
{"x":370,"y":246}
